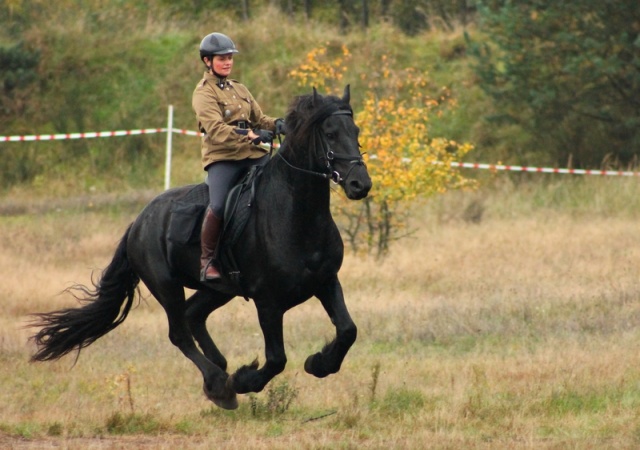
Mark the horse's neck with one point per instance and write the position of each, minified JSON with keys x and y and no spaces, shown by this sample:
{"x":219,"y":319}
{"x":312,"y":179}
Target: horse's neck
{"x":302,"y":194}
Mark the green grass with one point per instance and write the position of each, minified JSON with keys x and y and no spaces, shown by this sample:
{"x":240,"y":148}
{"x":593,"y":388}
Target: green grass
{"x":133,"y":423}
{"x":515,"y":332}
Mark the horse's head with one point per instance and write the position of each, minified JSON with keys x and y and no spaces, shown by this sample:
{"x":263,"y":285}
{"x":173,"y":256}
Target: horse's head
{"x":324,"y":126}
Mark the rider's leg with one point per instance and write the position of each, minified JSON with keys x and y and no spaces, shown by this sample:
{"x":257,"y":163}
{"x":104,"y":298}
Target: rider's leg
{"x":221,"y":177}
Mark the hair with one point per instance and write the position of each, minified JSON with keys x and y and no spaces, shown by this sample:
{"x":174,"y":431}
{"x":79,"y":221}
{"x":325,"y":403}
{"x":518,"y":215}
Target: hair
{"x":307,"y":111}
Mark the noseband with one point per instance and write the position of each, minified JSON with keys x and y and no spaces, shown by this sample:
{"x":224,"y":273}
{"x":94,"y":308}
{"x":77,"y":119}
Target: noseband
{"x":330,"y":156}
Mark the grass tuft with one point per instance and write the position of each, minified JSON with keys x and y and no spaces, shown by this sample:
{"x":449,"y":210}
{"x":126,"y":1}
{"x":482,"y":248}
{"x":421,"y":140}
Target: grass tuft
{"x":119,"y":423}
{"x":399,"y":402}
{"x":280,"y":395}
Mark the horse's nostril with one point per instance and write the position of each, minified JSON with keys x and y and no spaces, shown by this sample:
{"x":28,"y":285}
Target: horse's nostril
{"x":357,"y":189}
{"x":360,"y":185}
{"x":355,"y":185}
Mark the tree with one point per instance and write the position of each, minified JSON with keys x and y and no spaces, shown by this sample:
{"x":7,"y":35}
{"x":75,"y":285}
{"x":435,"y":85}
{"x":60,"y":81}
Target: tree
{"x":568,"y":74}
{"x":18,"y":67}
{"x":404,"y":162}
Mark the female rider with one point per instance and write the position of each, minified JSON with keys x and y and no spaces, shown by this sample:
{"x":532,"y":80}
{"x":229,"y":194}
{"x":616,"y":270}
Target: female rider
{"x":233,"y":126}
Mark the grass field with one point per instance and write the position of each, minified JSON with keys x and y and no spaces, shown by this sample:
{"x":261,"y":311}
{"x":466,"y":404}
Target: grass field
{"x":520,"y":331}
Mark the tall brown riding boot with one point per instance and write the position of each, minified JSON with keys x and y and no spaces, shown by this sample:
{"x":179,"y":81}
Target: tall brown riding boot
{"x":211,"y":229}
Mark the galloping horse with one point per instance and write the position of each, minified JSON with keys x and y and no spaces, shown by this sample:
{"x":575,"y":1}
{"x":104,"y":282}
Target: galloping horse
{"x":288,"y":251}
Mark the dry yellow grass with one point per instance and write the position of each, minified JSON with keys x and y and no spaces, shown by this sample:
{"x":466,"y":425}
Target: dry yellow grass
{"x":518,"y":332}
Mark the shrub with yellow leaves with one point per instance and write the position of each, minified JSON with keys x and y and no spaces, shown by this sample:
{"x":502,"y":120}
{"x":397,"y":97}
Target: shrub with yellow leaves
{"x":321,"y":69}
{"x":404,"y":162}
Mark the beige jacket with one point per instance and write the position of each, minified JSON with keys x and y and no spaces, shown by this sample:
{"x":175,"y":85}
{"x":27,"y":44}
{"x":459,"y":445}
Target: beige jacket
{"x":219,"y":105}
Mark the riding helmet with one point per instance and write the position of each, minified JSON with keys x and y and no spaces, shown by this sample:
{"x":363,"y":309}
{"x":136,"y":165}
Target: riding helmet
{"x":216,"y":44}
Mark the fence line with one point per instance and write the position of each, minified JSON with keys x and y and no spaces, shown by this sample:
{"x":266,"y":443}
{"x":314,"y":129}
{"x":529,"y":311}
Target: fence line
{"x":496,"y":167}
{"x":93,"y":134}
{"x":170,"y":131}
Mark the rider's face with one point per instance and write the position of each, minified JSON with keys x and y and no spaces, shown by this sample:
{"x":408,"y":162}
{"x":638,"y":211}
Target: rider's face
{"x":222,"y":64}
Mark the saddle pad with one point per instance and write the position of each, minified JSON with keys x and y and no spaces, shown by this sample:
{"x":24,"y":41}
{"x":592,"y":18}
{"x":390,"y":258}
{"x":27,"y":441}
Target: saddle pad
{"x":186,"y":215}
{"x":198,"y":195}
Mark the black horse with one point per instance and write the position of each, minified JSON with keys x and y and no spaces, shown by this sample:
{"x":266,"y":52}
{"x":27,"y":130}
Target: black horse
{"x":289,"y":250}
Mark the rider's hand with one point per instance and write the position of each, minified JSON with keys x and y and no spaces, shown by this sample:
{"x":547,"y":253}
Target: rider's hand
{"x":280,"y":126}
{"x":257,"y":136}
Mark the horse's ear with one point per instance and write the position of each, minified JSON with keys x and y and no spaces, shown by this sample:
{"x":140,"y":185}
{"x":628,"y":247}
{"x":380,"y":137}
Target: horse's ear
{"x":315,"y":96}
{"x":346,"y":97}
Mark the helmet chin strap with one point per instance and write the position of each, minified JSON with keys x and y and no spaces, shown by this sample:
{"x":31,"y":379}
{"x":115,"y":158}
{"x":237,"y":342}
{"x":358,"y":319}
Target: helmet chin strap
{"x":221,"y":79}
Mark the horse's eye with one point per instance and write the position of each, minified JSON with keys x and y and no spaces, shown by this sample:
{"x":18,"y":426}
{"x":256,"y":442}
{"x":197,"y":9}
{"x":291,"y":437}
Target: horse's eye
{"x":330,"y":136}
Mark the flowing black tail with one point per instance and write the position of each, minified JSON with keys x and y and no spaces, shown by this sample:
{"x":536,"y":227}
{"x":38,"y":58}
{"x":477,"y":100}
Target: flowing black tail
{"x":76,"y":328}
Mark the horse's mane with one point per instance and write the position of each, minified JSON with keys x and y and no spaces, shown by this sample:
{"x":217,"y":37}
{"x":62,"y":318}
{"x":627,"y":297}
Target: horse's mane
{"x":308,"y":111}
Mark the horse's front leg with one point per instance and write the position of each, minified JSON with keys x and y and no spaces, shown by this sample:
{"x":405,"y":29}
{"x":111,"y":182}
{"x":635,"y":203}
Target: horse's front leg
{"x":251,"y":379}
{"x":330,"y":359}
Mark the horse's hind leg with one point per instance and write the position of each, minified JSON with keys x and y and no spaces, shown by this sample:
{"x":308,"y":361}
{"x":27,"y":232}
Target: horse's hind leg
{"x":199,"y":306}
{"x":330,"y":359}
{"x":171,"y":297}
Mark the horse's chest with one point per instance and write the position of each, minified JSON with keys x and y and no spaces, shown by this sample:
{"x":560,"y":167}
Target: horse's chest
{"x":312,"y":267}
{"x":292,"y":264}
{"x":322,"y":251}
{"x":318,"y":261}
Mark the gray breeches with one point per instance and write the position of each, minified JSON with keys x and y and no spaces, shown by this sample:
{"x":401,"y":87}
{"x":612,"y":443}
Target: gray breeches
{"x":223,"y":175}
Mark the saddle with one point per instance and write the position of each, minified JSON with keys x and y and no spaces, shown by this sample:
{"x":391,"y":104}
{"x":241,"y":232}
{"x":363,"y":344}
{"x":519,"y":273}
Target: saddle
{"x":187,"y":213}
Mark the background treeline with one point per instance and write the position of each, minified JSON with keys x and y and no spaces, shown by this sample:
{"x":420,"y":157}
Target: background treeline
{"x":536,"y":81}
{"x":412,"y":16}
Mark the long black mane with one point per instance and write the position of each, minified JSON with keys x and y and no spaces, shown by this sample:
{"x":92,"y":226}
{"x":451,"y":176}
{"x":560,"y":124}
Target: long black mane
{"x":306,"y":112}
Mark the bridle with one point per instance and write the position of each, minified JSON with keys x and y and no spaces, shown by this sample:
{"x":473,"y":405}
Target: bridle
{"x":330,"y":156}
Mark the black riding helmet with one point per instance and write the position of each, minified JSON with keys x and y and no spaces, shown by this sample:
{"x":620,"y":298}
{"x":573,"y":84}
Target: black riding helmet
{"x":216,"y":44}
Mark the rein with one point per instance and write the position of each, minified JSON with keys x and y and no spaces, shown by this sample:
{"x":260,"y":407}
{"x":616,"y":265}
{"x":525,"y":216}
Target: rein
{"x":330,"y":156}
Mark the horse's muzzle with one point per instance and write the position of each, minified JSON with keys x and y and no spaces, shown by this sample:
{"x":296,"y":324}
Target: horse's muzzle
{"x":357,"y":188}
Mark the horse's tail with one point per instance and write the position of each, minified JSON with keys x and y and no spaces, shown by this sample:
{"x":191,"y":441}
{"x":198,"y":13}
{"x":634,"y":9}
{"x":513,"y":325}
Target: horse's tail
{"x":76,"y":328}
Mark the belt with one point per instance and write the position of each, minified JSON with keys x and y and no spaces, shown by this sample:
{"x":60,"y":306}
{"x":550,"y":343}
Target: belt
{"x":242,"y":124}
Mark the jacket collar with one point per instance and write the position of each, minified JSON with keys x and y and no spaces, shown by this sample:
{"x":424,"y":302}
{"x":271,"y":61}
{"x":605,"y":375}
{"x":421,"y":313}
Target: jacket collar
{"x":221,"y":82}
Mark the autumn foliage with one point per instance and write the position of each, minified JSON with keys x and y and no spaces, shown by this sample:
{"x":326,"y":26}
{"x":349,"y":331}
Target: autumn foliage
{"x":404,"y":161}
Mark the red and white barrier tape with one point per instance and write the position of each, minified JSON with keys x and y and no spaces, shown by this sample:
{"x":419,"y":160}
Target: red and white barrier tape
{"x":186,"y":132}
{"x":494,"y":167}
{"x":63,"y":136}
{"x":504,"y":167}
{"x":619,"y":173}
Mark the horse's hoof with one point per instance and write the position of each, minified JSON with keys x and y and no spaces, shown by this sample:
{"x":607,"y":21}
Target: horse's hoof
{"x":230,"y":385}
{"x":243,"y":381}
{"x":315,"y":369}
{"x":308,"y":365}
{"x":230,"y":401}
{"x":227,"y":403}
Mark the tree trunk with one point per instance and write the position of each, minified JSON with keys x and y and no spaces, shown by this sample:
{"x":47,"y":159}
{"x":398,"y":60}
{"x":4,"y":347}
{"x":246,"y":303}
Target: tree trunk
{"x":245,"y":10}
{"x":462,"y":10}
{"x":342,"y":11}
{"x":307,"y":8}
{"x":384,"y":7}
{"x":365,"y":14}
